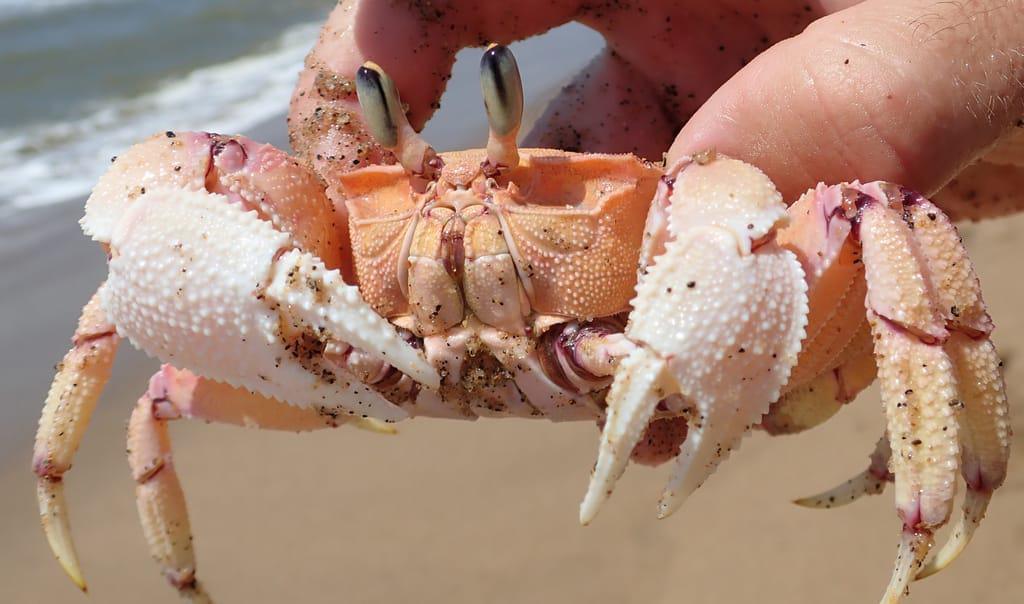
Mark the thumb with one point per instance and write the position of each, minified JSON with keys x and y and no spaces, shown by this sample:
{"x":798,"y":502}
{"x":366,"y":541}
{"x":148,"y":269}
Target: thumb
{"x":906,"y":91}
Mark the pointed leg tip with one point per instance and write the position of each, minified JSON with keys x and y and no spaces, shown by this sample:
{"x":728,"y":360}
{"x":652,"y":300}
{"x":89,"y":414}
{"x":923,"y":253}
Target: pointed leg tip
{"x":72,"y":570}
{"x":596,"y":496}
{"x":860,"y":485}
{"x":809,"y":502}
{"x":589,"y":509}
{"x":974,"y":507}
{"x":69,"y":563}
{"x":375,"y":425}
{"x":914,"y":547}
{"x":666,"y":507}
{"x":54,"y":519}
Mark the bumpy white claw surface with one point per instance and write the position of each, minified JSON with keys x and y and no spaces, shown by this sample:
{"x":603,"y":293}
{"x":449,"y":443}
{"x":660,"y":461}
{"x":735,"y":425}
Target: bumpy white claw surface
{"x":725,"y":306}
{"x":319,"y":298}
{"x":735,"y":355}
{"x":631,"y":402}
{"x":186,"y":284}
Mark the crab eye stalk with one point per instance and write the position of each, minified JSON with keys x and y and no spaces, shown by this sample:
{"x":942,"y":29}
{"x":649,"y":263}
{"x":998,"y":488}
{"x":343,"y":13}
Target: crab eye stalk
{"x":502,"y":90}
{"x":387,"y":123}
{"x":378,"y":98}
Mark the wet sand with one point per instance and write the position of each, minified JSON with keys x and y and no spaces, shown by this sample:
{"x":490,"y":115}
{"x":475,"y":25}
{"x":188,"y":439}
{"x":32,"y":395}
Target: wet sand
{"x":460,"y":512}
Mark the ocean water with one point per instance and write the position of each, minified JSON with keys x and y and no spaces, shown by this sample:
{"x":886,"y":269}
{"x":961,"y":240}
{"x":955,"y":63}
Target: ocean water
{"x":80,"y":80}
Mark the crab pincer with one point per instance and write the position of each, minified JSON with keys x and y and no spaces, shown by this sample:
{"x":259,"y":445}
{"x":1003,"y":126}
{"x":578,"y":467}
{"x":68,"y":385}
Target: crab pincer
{"x":717,"y":318}
{"x":224,"y":255}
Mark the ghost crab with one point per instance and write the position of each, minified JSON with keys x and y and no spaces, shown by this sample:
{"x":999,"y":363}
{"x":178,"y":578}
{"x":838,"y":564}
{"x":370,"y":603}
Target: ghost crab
{"x":503,"y":282}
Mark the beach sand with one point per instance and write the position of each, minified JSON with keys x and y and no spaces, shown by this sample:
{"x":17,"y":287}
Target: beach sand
{"x":452,"y":512}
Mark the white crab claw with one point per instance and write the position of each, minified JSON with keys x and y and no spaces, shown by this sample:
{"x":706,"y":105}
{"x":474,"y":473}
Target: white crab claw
{"x":732,"y":339}
{"x":193,"y":280}
{"x":319,"y":298}
{"x":723,"y":309}
{"x":638,"y":386}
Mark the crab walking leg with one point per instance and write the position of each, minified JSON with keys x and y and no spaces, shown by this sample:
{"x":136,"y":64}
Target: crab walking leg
{"x":985,"y":441}
{"x":985,"y":436}
{"x":198,"y":281}
{"x":917,"y":380}
{"x":984,"y":418}
{"x":175,"y":394}
{"x":76,"y":388}
{"x":723,"y":308}
{"x":871,"y":481}
{"x":160,"y":500}
{"x":184,"y":394}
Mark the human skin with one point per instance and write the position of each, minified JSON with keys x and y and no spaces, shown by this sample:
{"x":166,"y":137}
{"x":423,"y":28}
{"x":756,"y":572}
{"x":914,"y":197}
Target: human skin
{"x":910,"y":91}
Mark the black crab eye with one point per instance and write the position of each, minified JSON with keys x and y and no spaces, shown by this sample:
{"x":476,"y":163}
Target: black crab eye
{"x":502,"y":89}
{"x":378,"y":98}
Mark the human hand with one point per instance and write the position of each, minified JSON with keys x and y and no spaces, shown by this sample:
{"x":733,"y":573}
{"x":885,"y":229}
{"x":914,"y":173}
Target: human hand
{"x":910,"y":91}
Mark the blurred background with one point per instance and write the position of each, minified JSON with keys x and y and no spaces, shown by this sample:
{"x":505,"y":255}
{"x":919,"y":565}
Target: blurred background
{"x":444,"y":511}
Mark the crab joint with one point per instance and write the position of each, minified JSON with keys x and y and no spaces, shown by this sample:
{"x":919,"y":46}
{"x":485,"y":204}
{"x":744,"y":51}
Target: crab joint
{"x":385,"y":119}
{"x":502,"y":89}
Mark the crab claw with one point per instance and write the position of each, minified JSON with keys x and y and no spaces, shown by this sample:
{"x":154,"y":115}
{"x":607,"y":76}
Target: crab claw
{"x":256,"y":176}
{"x":199,"y":228}
{"x":718,"y":319}
{"x":198,"y":281}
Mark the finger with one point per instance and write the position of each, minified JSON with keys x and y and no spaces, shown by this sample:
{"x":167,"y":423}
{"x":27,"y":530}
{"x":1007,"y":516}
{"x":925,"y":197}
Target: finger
{"x":907,"y":91}
{"x":993,"y":186}
{"x":983,"y":190}
{"x":676,"y":53}
{"x":610,"y":107}
{"x":416,"y":45}
{"x":663,"y":60}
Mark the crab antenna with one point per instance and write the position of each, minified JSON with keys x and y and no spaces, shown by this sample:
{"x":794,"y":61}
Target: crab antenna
{"x":502,"y":90}
{"x":386,"y":121}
